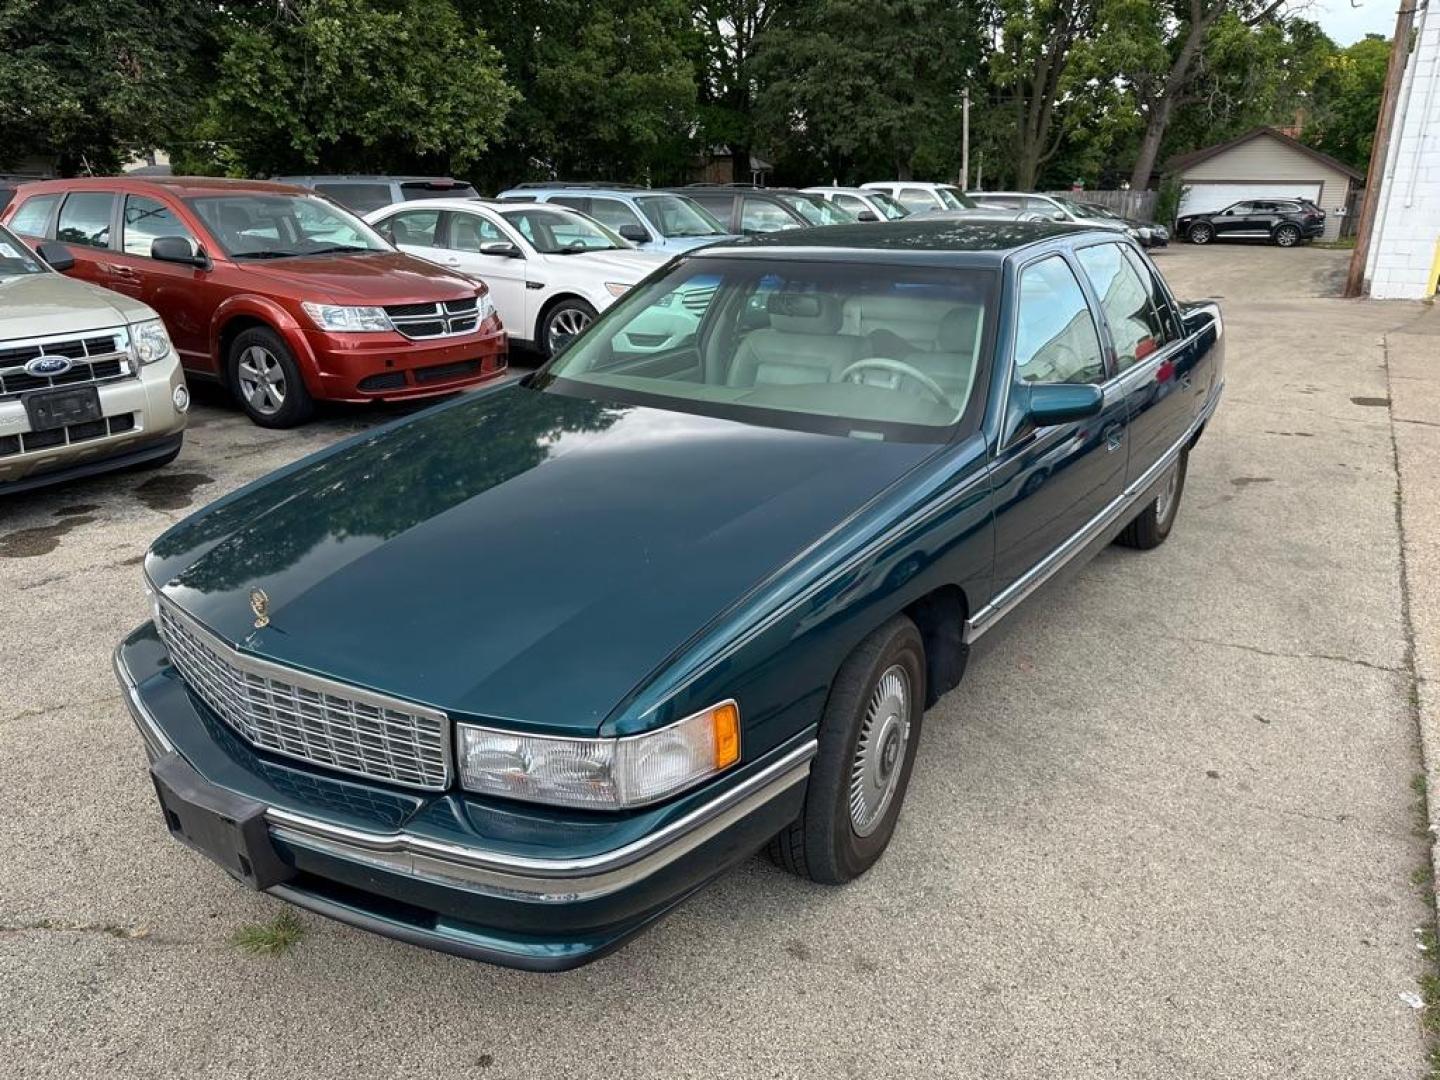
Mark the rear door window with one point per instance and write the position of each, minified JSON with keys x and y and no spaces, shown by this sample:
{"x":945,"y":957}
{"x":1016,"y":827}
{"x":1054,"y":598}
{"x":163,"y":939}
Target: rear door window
{"x":764,"y":216}
{"x":1136,"y":328}
{"x":1159,"y":295}
{"x":915,"y":199}
{"x":416,"y":228}
{"x":1055,"y":336}
{"x":574,"y":202}
{"x":33,"y":216}
{"x":614,"y":214}
{"x":469,"y":231}
{"x":362,"y":198}
{"x":146,"y":221}
{"x":85,"y":219}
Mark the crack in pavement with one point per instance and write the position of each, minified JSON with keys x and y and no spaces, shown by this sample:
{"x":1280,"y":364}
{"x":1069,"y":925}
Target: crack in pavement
{"x":115,"y":930}
{"x":45,"y":710}
{"x":1393,"y":670}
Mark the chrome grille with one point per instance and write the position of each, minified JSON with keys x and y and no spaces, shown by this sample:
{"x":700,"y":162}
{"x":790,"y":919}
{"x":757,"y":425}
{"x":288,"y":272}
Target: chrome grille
{"x":99,"y":357}
{"x":308,"y":718}
{"x":448,"y":319}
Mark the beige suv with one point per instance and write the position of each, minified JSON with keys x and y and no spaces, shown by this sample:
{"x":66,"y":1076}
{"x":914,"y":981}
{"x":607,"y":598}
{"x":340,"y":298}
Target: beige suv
{"x":88,"y":379}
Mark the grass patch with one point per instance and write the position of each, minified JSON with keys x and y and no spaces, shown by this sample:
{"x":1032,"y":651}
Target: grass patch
{"x":1345,"y":243}
{"x":274,"y":938}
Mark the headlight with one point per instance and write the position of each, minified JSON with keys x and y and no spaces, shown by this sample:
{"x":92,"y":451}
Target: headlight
{"x":150,"y":341}
{"x":605,"y":774}
{"x":349,"y":319}
{"x":615,"y":288}
{"x":484,"y":306}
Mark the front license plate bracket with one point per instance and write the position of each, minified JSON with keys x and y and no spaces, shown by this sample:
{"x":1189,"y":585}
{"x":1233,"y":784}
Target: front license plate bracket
{"x":224,"y":827}
{"x":48,"y":410}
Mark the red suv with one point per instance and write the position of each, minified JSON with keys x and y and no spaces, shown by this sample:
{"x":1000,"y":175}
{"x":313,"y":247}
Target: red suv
{"x":274,"y":290}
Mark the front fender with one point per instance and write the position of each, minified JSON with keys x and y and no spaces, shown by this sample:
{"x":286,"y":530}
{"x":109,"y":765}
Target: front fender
{"x":267,"y":311}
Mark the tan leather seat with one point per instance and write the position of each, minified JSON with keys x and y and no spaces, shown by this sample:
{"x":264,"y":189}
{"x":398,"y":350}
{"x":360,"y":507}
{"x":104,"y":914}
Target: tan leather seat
{"x":802,"y":344}
{"x":952,"y":362}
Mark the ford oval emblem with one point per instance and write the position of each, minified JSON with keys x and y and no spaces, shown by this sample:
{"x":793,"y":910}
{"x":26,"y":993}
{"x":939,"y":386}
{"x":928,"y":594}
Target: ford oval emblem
{"x":46,"y":366}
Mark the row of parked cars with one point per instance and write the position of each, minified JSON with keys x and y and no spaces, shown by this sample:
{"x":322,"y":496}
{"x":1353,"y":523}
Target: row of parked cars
{"x":348,"y":289}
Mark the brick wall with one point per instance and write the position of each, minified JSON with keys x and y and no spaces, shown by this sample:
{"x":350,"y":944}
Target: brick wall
{"x":1405,"y":247}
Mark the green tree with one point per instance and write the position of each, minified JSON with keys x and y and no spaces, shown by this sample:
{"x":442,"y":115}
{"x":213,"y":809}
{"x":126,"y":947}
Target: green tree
{"x":90,"y":82}
{"x":1346,"y":101}
{"x":731,"y":32}
{"x":607,"y":88}
{"x":350,"y":86}
{"x":869,"y":83}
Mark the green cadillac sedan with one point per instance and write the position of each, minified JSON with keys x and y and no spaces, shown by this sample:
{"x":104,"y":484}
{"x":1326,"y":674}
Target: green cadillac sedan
{"x":513,"y":677}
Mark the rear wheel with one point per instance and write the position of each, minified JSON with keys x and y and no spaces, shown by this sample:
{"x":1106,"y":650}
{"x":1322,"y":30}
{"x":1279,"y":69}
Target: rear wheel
{"x":1287,"y":236}
{"x":561,"y":323}
{"x":266,"y":379}
{"x":1153,"y":524}
{"x":868,"y":739}
{"x":1201,"y":233}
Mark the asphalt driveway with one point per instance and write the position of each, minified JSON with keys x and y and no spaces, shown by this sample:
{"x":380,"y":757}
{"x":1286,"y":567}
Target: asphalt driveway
{"x":1165,"y":828}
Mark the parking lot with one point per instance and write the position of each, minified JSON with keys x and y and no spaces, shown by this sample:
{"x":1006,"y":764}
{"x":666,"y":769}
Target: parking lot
{"x":1167,"y":826}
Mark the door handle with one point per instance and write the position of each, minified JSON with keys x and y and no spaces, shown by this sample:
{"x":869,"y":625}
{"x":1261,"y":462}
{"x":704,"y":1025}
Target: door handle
{"x":1114,"y":437}
{"x":120,"y":271}
{"x":1185,"y":381}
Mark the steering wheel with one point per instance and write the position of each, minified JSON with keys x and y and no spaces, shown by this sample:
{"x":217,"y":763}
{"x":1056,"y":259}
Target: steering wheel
{"x":897,"y":367}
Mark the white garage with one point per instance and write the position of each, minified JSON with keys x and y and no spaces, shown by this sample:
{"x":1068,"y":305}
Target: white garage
{"x":1264,"y":164}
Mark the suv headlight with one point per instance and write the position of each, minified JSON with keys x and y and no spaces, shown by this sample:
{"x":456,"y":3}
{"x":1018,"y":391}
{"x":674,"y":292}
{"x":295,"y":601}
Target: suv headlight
{"x":603,"y":774}
{"x":149,"y":340}
{"x":484,"y":306}
{"x":348,"y":319}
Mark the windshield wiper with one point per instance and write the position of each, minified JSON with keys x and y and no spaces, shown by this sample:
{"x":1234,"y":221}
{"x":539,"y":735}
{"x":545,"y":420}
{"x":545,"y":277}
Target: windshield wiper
{"x":581,"y":251}
{"x":266,"y":254}
{"x":334,"y":249}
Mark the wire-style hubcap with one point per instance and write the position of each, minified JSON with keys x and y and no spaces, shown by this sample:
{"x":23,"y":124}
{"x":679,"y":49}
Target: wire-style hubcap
{"x":262,"y":380}
{"x":1166,"y":498}
{"x":565,"y":325}
{"x":880,"y":751}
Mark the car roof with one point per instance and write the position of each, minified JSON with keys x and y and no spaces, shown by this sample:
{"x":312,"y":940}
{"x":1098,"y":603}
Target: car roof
{"x":370,"y":178}
{"x":175,"y":185}
{"x":461,"y":202}
{"x":992,"y":239}
{"x":619,"y":191}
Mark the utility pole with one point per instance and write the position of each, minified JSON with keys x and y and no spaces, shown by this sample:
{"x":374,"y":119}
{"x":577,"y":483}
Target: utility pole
{"x":965,"y":140}
{"x":1379,"y":150}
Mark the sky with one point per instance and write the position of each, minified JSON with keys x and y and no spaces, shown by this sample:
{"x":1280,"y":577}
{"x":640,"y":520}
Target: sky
{"x":1347,"y":22}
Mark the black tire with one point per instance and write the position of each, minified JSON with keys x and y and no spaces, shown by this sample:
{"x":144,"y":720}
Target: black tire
{"x":561,"y":323}
{"x":1287,"y":235}
{"x":1200,"y":233}
{"x":823,"y":843}
{"x":1153,"y":524}
{"x":266,"y":380}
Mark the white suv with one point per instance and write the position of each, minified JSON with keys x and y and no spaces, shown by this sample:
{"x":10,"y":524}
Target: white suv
{"x":88,"y":379}
{"x":917,"y":195}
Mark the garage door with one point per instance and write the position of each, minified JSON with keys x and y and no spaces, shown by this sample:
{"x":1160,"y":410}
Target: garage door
{"x":1202,"y":198}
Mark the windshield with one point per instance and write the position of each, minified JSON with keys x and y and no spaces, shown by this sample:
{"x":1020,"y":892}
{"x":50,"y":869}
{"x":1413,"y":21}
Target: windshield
{"x":892,"y":210}
{"x":954,"y":198}
{"x":677,"y":216}
{"x":817,"y":211}
{"x":858,"y":349}
{"x":1074,"y":208}
{"x":282,"y":226}
{"x":15,"y":257}
{"x":1095,"y":210}
{"x":555,"y":232}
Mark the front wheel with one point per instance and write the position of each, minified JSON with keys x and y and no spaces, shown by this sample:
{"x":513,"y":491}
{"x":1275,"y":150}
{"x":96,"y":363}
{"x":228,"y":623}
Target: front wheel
{"x":1153,"y":524}
{"x":267,"y":381}
{"x":563,"y":322}
{"x":1200,"y":233}
{"x":868,"y":738}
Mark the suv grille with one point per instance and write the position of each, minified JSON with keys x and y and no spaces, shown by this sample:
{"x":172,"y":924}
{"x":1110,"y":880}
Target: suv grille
{"x":66,"y":436}
{"x":312,"y":719}
{"x":95,"y":358}
{"x":448,"y":319}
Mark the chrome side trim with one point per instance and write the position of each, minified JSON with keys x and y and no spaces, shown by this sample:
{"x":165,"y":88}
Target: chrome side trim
{"x":512,"y":876}
{"x":1047,"y":567}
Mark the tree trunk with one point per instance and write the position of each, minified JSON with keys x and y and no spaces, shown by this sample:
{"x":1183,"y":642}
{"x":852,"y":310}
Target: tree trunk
{"x":1150,"y":144}
{"x":1163,"y":106}
{"x":740,"y":164}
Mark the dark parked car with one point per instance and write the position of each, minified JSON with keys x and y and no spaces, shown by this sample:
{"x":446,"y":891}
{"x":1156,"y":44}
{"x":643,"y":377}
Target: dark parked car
{"x":362,"y":194}
{"x":515,"y":676}
{"x":281,"y":295}
{"x":1284,"y":222}
{"x":748,"y":210}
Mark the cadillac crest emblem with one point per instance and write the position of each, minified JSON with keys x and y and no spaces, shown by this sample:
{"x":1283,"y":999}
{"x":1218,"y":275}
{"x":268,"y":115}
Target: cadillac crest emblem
{"x":260,"y":605}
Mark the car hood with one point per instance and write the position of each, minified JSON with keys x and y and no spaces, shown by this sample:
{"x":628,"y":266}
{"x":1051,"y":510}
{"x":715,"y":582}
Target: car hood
{"x":36,"y":305}
{"x":674,"y":244}
{"x":381,"y":277}
{"x":518,"y":556}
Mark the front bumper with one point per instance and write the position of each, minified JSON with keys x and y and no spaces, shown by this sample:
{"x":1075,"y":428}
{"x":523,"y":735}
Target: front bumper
{"x":141,"y":423}
{"x":392,"y":367}
{"x":523,"y":886}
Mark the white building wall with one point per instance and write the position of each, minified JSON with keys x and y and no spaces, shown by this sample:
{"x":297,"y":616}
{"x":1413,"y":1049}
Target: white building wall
{"x":1404,"y":258}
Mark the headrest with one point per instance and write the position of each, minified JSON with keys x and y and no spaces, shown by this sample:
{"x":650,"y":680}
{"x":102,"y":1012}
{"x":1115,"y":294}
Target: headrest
{"x":804,"y":313}
{"x":956,"y":332}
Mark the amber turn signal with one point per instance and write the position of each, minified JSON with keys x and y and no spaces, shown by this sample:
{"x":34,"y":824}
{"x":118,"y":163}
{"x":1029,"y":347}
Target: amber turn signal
{"x":725,"y":724}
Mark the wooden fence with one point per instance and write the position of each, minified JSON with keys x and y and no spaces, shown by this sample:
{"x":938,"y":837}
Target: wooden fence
{"x":1131,"y":204}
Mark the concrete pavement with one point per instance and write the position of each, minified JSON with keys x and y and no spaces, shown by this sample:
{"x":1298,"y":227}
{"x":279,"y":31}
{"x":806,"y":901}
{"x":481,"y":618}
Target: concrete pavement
{"x":1165,"y":828}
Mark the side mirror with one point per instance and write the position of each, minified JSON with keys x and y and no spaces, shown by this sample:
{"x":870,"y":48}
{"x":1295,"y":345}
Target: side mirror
{"x":178,"y":249}
{"x":868,"y":215}
{"x":501,"y":249}
{"x":1059,"y":215}
{"x":1063,"y":403}
{"x":636,"y":234}
{"x":57,"y":255}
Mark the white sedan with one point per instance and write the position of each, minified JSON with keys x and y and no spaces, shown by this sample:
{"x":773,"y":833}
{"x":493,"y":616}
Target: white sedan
{"x":551,"y":271}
